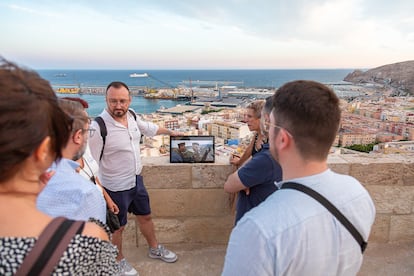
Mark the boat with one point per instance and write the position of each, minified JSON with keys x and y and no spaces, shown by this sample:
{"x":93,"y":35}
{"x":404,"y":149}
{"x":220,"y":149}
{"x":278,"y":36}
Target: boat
{"x":60,"y":75}
{"x":135,"y":75}
{"x":68,"y":90}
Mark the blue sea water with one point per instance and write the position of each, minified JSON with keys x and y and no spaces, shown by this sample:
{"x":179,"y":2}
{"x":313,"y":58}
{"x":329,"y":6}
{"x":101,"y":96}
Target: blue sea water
{"x":174,"y":78}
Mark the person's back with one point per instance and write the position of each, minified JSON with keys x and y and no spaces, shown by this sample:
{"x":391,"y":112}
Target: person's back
{"x":86,"y":254}
{"x":304,"y":237}
{"x":68,"y":194}
{"x":294,"y":234}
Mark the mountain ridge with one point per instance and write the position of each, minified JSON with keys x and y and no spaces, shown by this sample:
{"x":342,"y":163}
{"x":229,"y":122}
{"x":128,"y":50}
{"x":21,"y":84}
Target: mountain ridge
{"x":397,"y":76}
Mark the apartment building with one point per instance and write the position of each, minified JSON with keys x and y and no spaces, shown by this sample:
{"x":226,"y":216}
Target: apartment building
{"x":229,"y":130}
{"x":348,"y":138}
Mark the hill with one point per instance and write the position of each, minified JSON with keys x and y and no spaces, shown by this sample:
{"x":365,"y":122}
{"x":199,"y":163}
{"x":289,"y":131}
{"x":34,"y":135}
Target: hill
{"x":397,"y":76}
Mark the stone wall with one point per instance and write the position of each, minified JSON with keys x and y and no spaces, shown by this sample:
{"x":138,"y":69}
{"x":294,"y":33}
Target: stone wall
{"x":189,"y":204}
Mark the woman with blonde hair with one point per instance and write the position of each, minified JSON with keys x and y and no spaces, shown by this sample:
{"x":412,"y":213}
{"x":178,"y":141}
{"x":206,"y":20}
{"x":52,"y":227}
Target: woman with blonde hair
{"x":252,"y":119}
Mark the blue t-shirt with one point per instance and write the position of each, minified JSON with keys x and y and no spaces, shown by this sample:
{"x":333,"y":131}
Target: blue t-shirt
{"x":259,"y":174}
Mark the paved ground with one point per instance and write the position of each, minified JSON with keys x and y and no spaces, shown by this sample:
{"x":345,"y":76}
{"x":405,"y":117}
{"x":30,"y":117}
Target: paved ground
{"x":379,"y":260}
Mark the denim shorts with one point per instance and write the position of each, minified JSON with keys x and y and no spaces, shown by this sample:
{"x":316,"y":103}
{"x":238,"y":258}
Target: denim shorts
{"x":135,"y":200}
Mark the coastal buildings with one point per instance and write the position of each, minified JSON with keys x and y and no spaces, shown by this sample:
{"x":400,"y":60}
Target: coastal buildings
{"x":229,"y":130}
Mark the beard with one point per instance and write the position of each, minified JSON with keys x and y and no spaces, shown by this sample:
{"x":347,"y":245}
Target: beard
{"x":119,"y":112}
{"x":80,"y":152}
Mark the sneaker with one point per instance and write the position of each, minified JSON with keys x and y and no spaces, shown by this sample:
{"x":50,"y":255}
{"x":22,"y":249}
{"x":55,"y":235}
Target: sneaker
{"x":127,"y":269}
{"x":162,"y":253}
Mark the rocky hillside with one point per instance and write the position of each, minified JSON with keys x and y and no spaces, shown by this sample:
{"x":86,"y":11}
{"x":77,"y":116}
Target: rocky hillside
{"x":397,"y":76}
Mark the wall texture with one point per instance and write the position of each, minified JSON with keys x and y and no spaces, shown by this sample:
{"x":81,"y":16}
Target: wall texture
{"x":189,"y":204}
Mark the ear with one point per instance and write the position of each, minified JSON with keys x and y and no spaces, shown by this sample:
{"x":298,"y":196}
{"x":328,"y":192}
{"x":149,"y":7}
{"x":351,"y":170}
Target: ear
{"x":77,"y":136}
{"x":44,"y":150}
{"x":285,"y":140}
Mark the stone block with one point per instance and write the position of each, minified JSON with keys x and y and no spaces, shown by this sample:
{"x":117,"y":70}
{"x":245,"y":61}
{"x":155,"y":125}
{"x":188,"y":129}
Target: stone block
{"x":129,"y":236}
{"x":189,"y":202}
{"x":210,"y":176}
{"x":408,"y":174}
{"x":402,"y":228}
{"x":377,"y":173}
{"x":380,"y":231}
{"x":212,"y":230}
{"x":392,"y":199}
{"x":166,"y":231}
{"x":173,"y":176}
{"x":342,"y":168}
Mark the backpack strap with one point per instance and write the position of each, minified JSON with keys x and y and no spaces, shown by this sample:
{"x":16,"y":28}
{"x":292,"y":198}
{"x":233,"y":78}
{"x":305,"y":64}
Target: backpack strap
{"x":49,"y":248}
{"x":104,"y":131}
{"x":133,"y":113}
{"x":328,"y":205}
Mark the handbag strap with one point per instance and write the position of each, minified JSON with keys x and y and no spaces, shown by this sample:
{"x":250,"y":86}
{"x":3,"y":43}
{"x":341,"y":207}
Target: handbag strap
{"x":50,"y":246}
{"x":328,"y":205}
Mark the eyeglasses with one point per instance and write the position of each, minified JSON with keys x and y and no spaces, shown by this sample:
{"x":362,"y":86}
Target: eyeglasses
{"x":90,"y":130}
{"x":269,"y":124}
{"x":114,"y":102}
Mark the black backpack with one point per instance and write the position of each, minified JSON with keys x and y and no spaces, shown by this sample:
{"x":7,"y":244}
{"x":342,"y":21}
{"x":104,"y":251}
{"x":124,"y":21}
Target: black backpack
{"x":104,"y":131}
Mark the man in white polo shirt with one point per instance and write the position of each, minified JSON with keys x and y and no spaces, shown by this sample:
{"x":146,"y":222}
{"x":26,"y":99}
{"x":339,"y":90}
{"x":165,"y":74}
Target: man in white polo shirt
{"x":120,"y":168}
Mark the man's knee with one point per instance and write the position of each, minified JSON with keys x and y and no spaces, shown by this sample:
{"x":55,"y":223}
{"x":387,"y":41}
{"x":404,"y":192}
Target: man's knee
{"x":144,"y":218}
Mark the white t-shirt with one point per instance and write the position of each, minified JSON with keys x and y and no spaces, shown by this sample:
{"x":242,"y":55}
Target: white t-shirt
{"x":121,"y":160}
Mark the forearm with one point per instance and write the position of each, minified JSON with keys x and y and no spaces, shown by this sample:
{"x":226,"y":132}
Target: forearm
{"x":166,"y":131}
{"x":233,"y":183}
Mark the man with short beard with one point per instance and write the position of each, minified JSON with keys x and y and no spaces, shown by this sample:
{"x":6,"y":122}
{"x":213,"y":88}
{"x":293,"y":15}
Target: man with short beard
{"x":120,"y":169}
{"x":67,"y":193}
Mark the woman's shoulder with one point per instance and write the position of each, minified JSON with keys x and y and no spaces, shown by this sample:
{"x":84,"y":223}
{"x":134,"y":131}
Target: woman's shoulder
{"x":95,"y":228}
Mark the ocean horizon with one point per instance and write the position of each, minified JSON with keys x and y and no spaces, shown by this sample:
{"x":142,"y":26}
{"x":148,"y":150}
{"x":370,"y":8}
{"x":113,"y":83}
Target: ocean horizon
{"x":244,"y":78}
{"x":174,"y":78}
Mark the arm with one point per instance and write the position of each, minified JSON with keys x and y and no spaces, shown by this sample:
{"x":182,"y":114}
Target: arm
{"x":166,"y":131}
{"x":109,"y":202}
{"x":233,"y":183}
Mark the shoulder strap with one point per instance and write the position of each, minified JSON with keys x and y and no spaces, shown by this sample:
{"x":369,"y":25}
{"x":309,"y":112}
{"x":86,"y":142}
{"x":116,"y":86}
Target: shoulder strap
{"x":49,"y":248}
{"x":133,"y":114}
{"x":104,"y":131}
{"x":328,"y":205}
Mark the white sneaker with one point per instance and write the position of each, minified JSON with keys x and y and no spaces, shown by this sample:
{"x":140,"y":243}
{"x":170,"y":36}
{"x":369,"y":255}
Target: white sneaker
{"x":162,"y":253}
{"x":127,"y":269}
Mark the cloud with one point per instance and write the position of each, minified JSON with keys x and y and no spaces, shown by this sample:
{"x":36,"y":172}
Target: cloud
{"x":261,"y":33}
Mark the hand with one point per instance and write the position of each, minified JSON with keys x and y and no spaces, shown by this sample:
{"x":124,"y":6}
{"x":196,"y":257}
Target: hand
{"x":113,"y":207}
{"x":176,"y":133}
{"x":234,"y":160}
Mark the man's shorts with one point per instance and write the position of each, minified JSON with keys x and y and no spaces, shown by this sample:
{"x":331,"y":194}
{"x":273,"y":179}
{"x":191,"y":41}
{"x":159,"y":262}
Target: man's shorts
{"x":135,"y":200}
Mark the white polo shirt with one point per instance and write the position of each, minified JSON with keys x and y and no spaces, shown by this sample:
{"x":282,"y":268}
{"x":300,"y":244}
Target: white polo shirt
{"x":121,"y":159}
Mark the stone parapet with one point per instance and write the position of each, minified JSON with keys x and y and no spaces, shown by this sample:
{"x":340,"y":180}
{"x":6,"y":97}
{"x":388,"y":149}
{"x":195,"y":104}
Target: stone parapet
{"x":189,"y":204}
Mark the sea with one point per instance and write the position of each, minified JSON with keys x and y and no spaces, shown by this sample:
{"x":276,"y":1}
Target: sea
{"x":175,"y":78}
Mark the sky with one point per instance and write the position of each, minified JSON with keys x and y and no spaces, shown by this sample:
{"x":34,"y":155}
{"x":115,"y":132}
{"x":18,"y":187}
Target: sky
{"x":206,"y":34}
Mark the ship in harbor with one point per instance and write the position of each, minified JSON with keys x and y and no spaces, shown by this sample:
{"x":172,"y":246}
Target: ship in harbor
{"x":68,"y":90}
{"x":136,"y":75}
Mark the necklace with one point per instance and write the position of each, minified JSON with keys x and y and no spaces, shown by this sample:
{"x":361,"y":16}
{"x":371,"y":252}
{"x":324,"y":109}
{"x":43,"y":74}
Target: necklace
{"x":90,"y":174}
